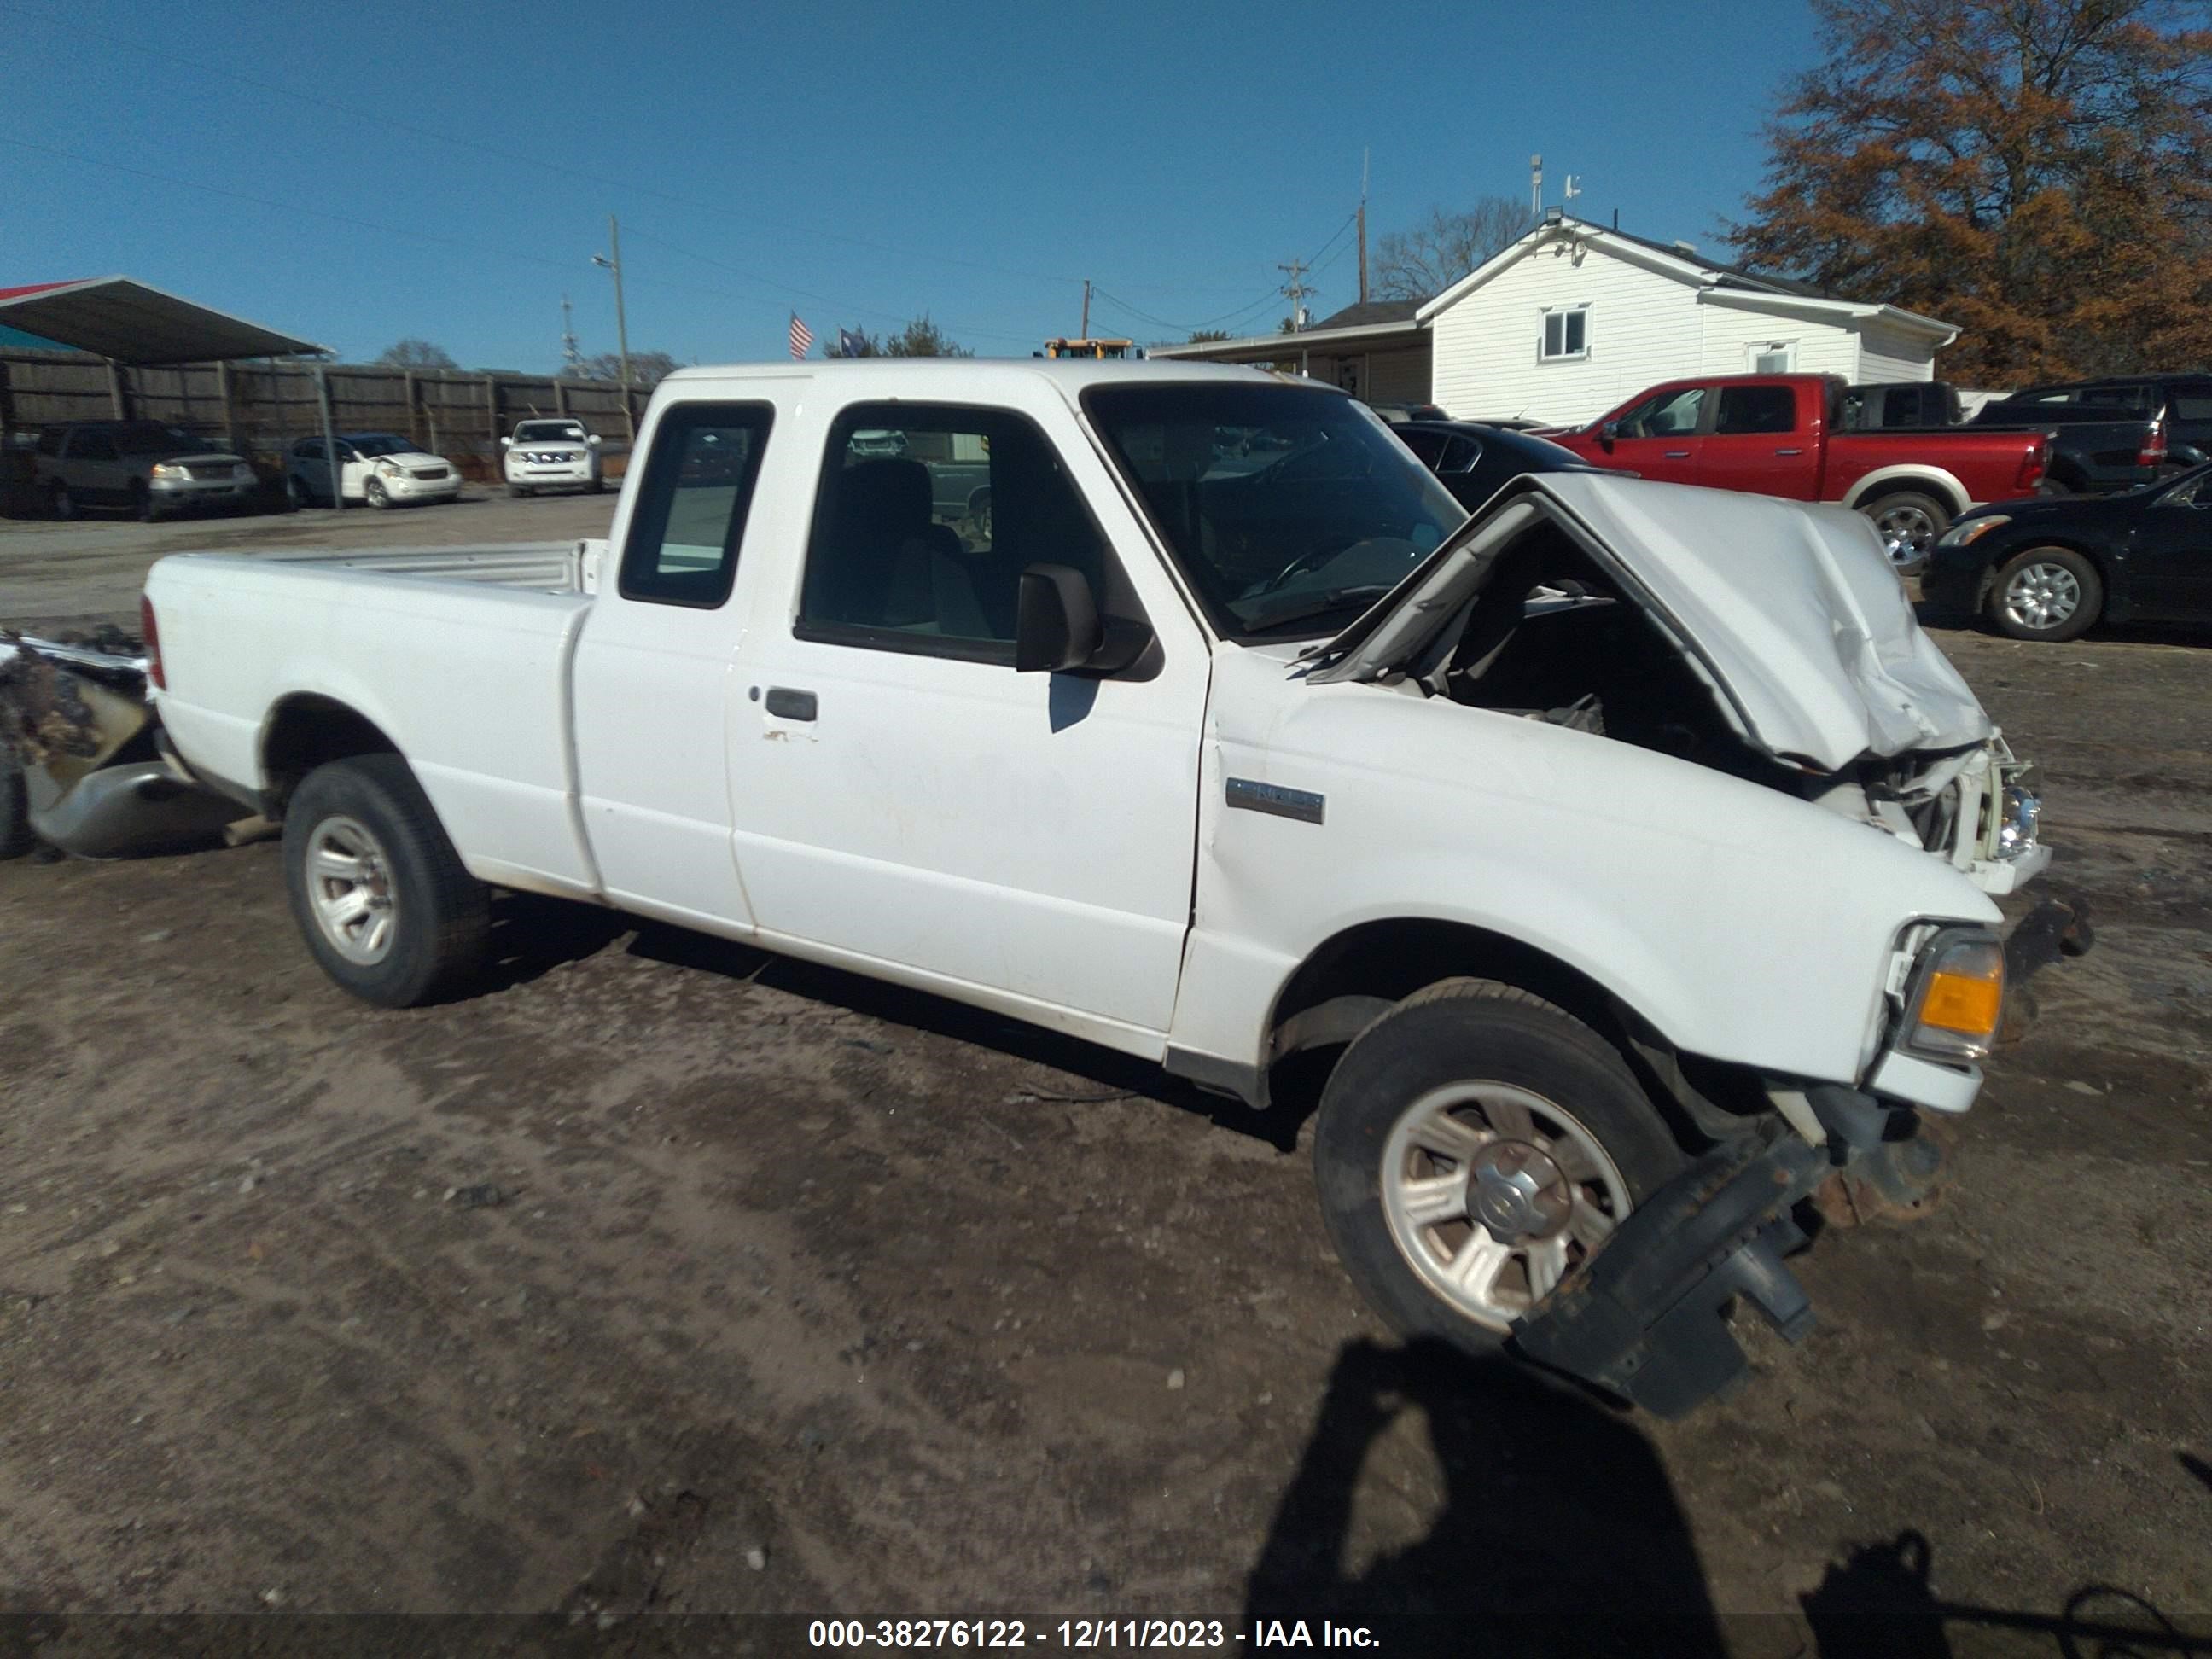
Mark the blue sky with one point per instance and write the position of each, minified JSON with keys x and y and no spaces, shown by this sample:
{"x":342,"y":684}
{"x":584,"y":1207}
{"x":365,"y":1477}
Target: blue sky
{"x":407,"y":169}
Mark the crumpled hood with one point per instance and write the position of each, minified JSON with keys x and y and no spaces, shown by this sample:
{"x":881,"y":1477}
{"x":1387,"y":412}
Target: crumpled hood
{"x":410,"y":458}
{"x":1793,"y":611}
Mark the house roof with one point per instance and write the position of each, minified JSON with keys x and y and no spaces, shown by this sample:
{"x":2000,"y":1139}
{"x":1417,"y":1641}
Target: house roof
{"x":1367,"y":313}
{"x":1724,"y":284}
{"x":127,"y":322}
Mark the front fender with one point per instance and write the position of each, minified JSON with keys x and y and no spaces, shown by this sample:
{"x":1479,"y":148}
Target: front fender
{"x":1741,"y":923}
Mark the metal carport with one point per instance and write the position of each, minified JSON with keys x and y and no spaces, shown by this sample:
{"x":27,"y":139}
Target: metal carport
{"x":134,"y":324}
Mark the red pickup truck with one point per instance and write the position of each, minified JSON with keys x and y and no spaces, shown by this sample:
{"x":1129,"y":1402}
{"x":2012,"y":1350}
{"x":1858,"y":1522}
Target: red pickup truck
{"x":1779,"y":434}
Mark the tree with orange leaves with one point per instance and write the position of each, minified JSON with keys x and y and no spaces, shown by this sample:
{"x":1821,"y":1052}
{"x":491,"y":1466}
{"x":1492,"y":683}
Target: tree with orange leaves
{"x":2038,"y":171}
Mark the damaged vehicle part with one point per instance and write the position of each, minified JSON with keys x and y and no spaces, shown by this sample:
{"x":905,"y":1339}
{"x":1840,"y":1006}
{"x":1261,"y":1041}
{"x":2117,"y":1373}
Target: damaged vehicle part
{"x":88,"y":770}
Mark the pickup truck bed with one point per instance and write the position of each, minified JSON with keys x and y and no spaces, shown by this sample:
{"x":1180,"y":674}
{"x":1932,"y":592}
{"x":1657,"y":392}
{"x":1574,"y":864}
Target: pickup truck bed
{"x":472,"y":656}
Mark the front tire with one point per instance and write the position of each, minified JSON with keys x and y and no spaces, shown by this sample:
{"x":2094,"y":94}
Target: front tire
{"x":2051,"y":595}
{"x":61,"y":504}
{"x":1475,"y":1146}
{"x":374,"y":493}
{"x":378,"y":893}
{"x":1909,"y":522}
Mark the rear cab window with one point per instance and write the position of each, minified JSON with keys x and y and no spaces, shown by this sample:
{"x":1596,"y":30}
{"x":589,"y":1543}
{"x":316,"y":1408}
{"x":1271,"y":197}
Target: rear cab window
{"x":685,"y":532}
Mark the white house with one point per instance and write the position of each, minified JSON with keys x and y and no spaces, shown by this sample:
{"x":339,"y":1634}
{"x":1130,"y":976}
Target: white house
{"x":1574,"y":318}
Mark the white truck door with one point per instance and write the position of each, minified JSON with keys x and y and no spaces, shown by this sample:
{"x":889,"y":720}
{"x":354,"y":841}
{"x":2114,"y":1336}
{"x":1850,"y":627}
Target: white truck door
{"x":909,"y":803}
{"x":651,"y":671}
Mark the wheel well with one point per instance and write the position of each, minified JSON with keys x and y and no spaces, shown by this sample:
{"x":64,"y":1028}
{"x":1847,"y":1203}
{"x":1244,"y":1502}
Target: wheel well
{"x":1911,"y":485}
{"x":1391,"y":960}
{"x":307,"y":731}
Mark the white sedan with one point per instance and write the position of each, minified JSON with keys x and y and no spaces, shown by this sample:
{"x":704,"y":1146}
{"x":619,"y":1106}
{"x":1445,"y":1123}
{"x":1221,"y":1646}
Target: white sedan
{"x":558,"y":455}
{"x":380,"y":468}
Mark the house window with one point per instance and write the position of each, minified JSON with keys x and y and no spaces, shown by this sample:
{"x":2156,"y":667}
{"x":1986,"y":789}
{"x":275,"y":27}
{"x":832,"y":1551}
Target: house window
{"x":1567,"y":334}
{"x":1774,"y":357}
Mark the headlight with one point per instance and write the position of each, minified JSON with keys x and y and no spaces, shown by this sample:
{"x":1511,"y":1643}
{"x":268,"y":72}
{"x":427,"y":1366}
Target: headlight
{"x":1970,"y":531}
{"x":167,"y":470}
{"x":389,"y":469}
{"x":2021,"y":819}
{"x":1958,"y":997}
{"x":241,"y":472}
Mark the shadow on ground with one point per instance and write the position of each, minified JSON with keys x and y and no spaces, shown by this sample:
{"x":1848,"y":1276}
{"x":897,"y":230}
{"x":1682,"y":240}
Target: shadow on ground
{"x":1561,"y":1534}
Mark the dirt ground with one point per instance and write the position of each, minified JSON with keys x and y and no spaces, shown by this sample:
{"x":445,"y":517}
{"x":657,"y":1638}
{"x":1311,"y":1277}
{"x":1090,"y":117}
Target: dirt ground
{"x":667,"y":1276}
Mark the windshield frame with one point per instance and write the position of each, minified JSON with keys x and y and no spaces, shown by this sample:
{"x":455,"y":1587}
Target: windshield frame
{"x":572,"y":432}
{"x":1202,"y":578}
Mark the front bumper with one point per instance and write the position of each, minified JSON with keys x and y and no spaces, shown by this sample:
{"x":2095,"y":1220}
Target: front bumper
{"x":1646,"y":1318}
{"x":412,"y":490}
{"x":190,"y":495}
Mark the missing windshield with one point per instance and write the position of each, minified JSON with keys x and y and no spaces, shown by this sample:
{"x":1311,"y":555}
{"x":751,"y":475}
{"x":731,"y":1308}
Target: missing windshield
{"x":1289,"y":508}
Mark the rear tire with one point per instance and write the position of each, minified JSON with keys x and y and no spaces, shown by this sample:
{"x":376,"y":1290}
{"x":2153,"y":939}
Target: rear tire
{"x":362,"y":843}
{"x":61,"y":504}
{"x":1475,"y":1098}
{"x":2051,"y":595}
{"x":1909,"y":522}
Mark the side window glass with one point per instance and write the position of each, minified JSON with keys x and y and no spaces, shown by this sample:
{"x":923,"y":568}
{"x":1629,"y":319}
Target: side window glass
{"x":927,"y":517}
{"x":2195,"y":405}
{"x":1666,"y":415}
{"x":1428,"y":446}
{"x":312,"y":450}
{"x":1756,"y":409}
{"x":93,"y":446}
{"x":50,"y":443}
{"x":1461,"y":455}
{"x":691,"y":516}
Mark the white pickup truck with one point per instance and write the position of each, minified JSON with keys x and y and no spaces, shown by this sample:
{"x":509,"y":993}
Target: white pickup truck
{"x":1629,"y":841}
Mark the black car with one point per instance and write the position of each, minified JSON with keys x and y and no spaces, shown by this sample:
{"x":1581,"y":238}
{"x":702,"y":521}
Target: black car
{"x":2049,"y":568}
{"x":1474,"y":461}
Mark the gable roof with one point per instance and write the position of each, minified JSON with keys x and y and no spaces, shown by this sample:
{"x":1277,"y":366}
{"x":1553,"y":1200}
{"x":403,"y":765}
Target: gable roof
{"x":1726,"y":284}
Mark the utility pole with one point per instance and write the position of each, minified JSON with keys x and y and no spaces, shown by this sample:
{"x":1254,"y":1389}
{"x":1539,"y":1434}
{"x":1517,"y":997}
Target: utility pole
{"x":1298,"y":291}
{"x":622,"y":323}
{"x":1086,"y":309}
{"x":570,"y":357}
{"x":1363,"y":226}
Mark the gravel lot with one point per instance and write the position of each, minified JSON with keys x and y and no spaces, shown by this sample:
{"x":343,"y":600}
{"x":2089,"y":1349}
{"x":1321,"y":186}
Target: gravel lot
{"x":666,"y":1275}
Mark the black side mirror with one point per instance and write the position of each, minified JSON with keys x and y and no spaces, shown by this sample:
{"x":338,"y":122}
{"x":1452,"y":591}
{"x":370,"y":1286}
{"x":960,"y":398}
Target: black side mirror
{"x":1609,"y":433}
{"x":1056,"y":620}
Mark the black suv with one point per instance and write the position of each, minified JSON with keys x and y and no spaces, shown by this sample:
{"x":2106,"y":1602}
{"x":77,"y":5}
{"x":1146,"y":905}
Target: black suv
{"x":2109,"y":432}
{"x":144,"y":467}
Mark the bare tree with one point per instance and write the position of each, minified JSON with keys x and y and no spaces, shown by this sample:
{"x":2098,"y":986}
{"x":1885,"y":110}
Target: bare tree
{"x":416,"y":354}
{"x":646,"y":368}
{"x":1422,"y":262}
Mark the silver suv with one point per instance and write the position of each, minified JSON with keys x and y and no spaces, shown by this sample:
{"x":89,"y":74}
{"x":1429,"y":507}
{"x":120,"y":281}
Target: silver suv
{"x":141,"y":467}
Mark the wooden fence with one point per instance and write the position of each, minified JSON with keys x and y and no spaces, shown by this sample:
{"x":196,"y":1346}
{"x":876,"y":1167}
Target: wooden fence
{"x":262,"y":408}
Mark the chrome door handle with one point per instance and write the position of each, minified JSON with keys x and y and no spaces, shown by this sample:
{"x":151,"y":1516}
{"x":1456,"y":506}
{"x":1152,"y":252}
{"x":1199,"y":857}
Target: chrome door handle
{"x":1674,"y":455}
{"x":1789,"y":452}
{"x":786,"y":704}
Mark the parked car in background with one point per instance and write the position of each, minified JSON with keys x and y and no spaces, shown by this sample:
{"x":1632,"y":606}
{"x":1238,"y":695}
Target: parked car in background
{"x":1474,"y":460}
{"x":140,"y":467}
{"x":1783,"y":435}
{"x":552,"y":454}
{"x":2114,"y":434}
{"x":380,"y":468}
{"x":2053,"y":567}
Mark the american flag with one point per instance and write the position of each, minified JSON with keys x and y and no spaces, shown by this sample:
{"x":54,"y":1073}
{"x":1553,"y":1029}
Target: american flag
{"x":801,"y":337}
